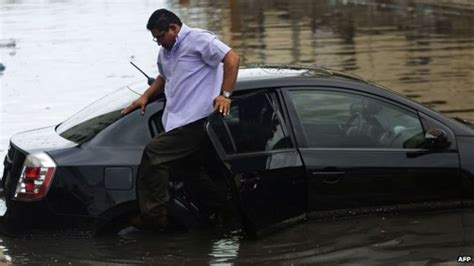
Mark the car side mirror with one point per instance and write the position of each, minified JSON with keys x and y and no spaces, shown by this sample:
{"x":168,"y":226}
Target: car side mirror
{"x":436,"y":139}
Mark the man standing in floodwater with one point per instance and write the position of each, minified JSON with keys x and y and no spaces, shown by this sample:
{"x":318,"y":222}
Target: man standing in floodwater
{"x":197,"y":74}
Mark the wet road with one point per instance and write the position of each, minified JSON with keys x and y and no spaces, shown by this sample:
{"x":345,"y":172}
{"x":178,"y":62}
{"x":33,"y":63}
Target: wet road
{"x":61,"y":55}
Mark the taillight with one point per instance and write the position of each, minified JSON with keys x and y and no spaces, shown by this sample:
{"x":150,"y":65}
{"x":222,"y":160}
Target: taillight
{"x":36,"y":177}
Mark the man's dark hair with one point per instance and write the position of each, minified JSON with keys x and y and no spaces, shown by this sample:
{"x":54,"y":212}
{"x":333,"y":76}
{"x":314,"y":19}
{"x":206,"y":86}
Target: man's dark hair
{"x":161,"y":20}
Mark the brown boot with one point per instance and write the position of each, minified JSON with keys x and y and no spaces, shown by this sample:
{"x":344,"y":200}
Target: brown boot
{"x":137,"y":221}
{"x":146,"y":222}
{"x":157,"y":220}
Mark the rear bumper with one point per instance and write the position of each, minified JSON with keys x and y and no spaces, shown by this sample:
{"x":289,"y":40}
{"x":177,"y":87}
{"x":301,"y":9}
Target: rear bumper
{"x":25,"y":213}
{"x":17,"y":217}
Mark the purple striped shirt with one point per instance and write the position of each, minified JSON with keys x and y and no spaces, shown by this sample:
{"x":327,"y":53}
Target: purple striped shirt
{"x":193,"y":73}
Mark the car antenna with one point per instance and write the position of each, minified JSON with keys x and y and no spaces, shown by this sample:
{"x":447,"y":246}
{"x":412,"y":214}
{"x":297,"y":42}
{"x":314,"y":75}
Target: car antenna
{"x":150,"y":80}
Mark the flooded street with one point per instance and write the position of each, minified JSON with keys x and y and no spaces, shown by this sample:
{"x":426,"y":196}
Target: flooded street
{"x":59,"y":55}
{"x":382,"y":240}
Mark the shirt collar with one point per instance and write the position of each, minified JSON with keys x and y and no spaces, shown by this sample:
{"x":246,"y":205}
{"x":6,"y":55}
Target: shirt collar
{"x":183,"y":32}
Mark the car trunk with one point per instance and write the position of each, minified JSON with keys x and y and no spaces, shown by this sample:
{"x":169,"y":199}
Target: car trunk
{"x":21,"y":145}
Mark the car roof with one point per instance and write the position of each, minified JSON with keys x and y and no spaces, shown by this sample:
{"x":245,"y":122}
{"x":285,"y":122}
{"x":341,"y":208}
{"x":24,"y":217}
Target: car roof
{"x":255,"y":76}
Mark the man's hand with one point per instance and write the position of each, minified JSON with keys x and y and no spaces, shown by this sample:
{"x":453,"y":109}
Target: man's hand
{"x":139,"y":103}
{"x":231,"y":67}
{"x":156,"y":89}
{"x":222,"y":104}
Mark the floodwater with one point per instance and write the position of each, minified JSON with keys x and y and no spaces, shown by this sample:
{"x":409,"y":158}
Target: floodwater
{"x":60,"y":55}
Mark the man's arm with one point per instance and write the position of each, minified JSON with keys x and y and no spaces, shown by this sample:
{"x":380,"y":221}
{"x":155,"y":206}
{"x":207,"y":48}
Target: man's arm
{"x":155,"y":90}
{"x":231,"y":67}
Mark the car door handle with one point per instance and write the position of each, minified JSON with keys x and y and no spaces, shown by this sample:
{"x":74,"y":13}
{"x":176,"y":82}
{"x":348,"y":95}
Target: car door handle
{"x":252,"y":180}
{"x":250,"y":184}
{"x":329,"y":177}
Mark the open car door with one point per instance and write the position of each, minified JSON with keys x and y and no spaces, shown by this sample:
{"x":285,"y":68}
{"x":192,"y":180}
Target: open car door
{"x":266,"y":170}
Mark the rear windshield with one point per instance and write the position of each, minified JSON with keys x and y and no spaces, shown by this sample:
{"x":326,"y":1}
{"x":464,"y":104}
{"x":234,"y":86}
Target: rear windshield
{"x":85,"y":124}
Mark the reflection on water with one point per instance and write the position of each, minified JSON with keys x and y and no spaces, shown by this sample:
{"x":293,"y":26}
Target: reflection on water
{"x":60,"y":55}
{"x":224,"y":250}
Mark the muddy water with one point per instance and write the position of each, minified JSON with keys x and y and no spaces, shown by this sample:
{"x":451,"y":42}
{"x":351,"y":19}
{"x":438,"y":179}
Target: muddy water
{"x":60,"y":55}
{"x":382,"y":240}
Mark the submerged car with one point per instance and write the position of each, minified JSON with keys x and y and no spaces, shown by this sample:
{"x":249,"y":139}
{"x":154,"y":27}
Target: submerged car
{"x":299,"y":143}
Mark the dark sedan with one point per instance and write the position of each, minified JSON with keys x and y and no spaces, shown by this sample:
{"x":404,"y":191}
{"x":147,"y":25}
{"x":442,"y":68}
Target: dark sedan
{"x":300,"y":142}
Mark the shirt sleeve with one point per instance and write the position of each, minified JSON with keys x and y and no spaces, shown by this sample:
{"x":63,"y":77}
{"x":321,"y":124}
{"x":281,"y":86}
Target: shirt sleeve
{"x":213,"y":50}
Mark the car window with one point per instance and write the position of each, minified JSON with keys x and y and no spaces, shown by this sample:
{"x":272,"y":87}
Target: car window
{"x":253,"y":125}
{"x":85,"y":124}
{"x":334,"y":119}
